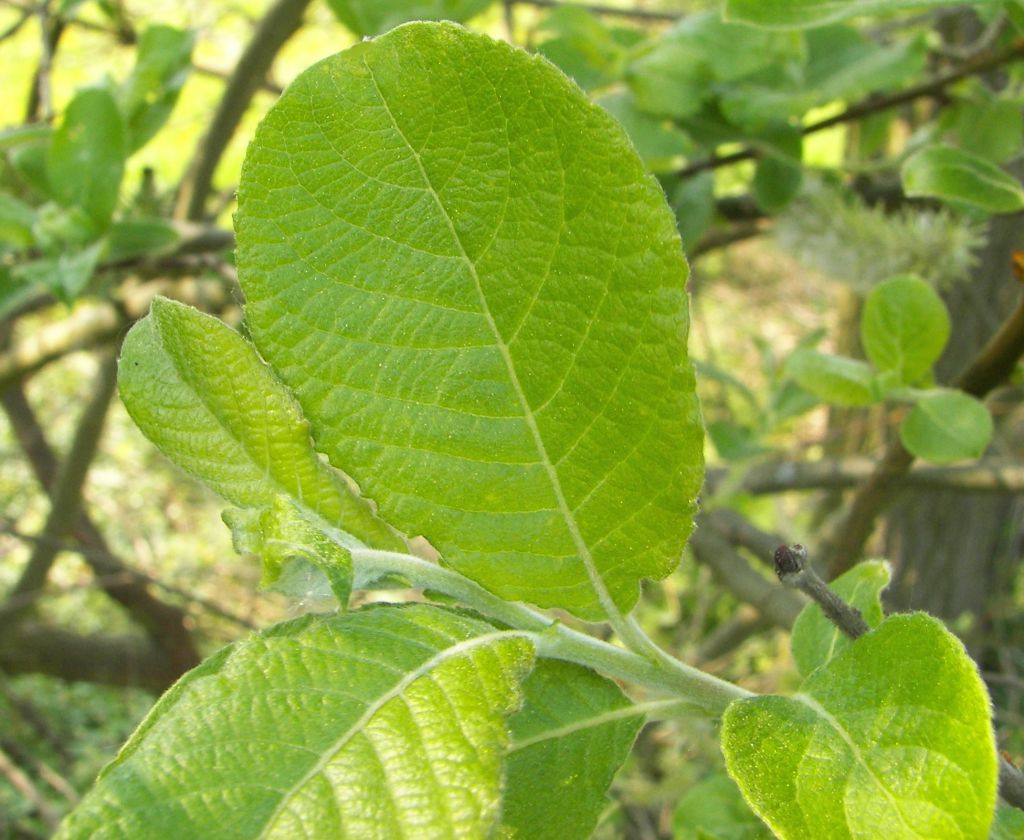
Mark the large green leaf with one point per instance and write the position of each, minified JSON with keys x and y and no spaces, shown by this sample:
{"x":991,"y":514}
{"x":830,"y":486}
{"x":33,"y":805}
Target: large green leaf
{"x":802,"y":14}
{"x":815,"y":639}
{"x":86,"y":158}
{"x":574,"y":731}
{"x":904,"y":327}
{"x":387,"y":722}
{"x":890,"y":739}
{"x":460,"y":268}
{"x":198,"y":390}
{"x":371,"y":17}
{"x":961,"y":177}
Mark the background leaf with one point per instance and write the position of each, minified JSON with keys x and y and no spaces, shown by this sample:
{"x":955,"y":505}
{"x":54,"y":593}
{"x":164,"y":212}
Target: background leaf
{"x":86,"y":158}
{"x":946,"y":426}
{"x":834,"y":379}
{"x":148,"y":95}
{"x":460,"y":268}
{"x":198,"y":390}
{"x":574,"y":731}
{"x":904,"y":327}
{"x":958,"y":176}
{"x":890,"y":739}
{"x":802,"y":14}
{"x":372,"y":17}
{"x":713,"y":809}
{"x":815,"y":639}
{"x":381,"y":723}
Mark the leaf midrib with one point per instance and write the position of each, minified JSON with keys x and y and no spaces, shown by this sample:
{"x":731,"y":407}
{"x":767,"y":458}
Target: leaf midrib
{"x":583,"y":550}
{"x":329,"y":753}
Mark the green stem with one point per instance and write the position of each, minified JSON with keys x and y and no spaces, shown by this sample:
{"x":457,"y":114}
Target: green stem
{"x":665,"y":674}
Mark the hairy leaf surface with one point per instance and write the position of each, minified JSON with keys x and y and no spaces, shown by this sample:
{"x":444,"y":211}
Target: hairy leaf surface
{"x":460,"y":268}
{"x":961,"y":177}
{"x":387,"y":722}
{"x":891,"y":738}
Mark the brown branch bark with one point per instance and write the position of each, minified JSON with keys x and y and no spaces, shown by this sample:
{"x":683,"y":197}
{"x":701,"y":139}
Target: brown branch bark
{"x":991,"y":367}
{"x":872,"y":105}
{"x":33,"y":648}
{"x":717,"y":551}
{"x":281,"y":21}
{"x":67,"y":489}
{"x":100,"y":323}
{"x":166,"y":624}
{"x":989,"y":475}
{"x":609,"y":11}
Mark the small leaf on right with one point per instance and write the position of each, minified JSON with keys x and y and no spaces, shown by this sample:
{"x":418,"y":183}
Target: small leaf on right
{"x":815,"y":639}
{"x":946,"y":426}
{"x":960,"y":177}
{"x":904,"y":327}
{"x":892,"y":738}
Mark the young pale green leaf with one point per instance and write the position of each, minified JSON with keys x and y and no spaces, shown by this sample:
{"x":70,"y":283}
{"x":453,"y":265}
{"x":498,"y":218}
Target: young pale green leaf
{"x":198,"y":390}
{"x":372,"y":17}
{"x":816,"y":640}
{"x":958,"y":176}
{"x":86,"y":157}
{"x":16,"y":220}
{"x":288,"y":535}
{"x":803,"y":14}
{"x":148,"y":95}
{"x":891,"y":738}
{"x":386,"y":722}
{"x":835,"y":379}
{"x":946,"y":426}
{"x":904,"y":327}
{"x":992,"y":128}
{"x":582,"y":47}
{"x":574,"y":731}
{"x":66,"y":275}
{"x":713,"y":809}
{"x":460,"y":268}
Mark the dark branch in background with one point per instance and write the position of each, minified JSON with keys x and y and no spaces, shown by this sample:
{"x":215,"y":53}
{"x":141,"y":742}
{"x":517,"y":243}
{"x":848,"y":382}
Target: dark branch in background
{"x":714,"y":544}
{"x":875,"y":104}
{"x":281,"y":21}
{"x":134,"y":661}
{"x":15,"y":27}
{"x":793,"y":570}
{"x":166,"y":624}
{"x":67,"y":489}
{"x":112,"y":574}
{"x":994,"y":475}
{"x":40,"y":105}
{"x":100,"y":323}
{"x":991,"y":367}
{"x":609,"y":11}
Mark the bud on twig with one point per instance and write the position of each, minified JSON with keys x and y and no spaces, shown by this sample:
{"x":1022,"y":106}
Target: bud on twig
{"x":794,"y":571}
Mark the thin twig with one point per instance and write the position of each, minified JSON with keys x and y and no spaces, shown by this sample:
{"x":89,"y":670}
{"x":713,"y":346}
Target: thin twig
{"x":875,"y":104}
{"x":988,"y":475}
{"x":795,"y":572}
{"x":277,"y":26}
{"x":67,"y":491}
{"x":608,"y":11}
{"x":24,"y":785}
